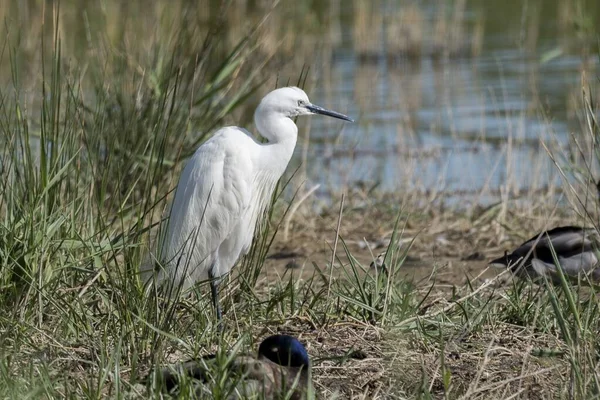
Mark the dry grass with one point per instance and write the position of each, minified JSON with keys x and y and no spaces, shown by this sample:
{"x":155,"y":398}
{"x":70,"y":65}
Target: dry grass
{"x":76,"y":322}
{"x":493,"y":358}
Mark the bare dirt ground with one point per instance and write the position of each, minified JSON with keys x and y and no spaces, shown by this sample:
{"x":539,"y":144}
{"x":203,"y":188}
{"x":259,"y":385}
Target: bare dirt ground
{"x":482,"y":358}
{"x":447,"y":252}
{"x":456,"y":251}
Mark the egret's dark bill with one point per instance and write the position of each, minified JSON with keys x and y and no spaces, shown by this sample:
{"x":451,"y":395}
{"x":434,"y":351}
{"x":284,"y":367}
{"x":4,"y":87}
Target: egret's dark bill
{"x":324,"y":111}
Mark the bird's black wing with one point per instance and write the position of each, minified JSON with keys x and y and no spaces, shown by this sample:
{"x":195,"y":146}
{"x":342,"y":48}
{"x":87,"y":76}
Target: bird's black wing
{"x":566,"y":241}
{"x":554,"y":232}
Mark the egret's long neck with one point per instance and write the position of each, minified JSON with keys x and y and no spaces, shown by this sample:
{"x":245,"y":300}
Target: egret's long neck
{"x":281,"y":132}
{"x":272,"y":158}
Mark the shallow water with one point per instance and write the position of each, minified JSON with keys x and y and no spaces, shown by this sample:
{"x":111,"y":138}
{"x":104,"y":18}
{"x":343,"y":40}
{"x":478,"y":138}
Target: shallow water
{"x":451,"y":96}
{"x":459,"y":123}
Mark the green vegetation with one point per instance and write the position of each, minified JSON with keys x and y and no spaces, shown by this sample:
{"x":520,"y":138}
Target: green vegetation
{"x":94,"y":131}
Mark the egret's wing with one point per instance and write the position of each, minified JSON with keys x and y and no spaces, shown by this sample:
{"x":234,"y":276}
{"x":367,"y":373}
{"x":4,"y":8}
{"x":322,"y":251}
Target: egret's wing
{"x":213,"y":192}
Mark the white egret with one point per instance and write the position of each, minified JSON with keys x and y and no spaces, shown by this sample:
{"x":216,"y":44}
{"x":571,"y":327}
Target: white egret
{"x":225,"y":188}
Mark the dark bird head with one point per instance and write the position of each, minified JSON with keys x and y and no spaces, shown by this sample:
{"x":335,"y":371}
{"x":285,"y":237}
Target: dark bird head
{"x":284,"y":350}
{"x":501,"y":262}
{"x":518,"y":263}
{"x":515,"y":261}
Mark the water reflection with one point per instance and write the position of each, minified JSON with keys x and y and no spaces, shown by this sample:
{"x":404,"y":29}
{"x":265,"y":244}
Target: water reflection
{"x":449,"y":96}
{"x":464,"y":123}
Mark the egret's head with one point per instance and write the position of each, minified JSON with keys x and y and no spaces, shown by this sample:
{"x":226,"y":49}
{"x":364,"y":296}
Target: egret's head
{"x":284,"y":350}
{"x":292,"y":102}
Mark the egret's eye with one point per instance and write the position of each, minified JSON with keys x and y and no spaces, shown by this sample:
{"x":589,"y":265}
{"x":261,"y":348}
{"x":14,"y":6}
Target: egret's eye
{"x":301,"y":103}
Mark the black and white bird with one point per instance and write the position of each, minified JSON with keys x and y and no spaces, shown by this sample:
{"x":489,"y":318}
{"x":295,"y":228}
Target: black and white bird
{"x":280,"y":370}
{"x":575,"y":248}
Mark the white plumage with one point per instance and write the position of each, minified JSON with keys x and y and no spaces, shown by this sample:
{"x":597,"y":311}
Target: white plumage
{"x":217,"y":203}
{"x":224,"y":190}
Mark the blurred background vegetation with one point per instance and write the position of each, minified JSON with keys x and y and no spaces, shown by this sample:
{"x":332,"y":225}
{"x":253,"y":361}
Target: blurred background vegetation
{"x":459,"y":104}
{"x":433,"y":83}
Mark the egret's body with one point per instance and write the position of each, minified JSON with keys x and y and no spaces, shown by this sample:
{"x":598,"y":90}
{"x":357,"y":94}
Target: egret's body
{"x":225,"y":188}
{"x":281,"y":369}
{"x":222,"y":191}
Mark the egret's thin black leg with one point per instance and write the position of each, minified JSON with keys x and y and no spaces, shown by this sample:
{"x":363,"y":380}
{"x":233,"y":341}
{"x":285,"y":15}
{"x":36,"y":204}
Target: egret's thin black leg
{"x":214,"y":291}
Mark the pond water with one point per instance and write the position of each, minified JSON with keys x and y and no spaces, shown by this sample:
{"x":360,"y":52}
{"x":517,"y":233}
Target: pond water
{"x":449,"y":96}
{"x":466,"y":115}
